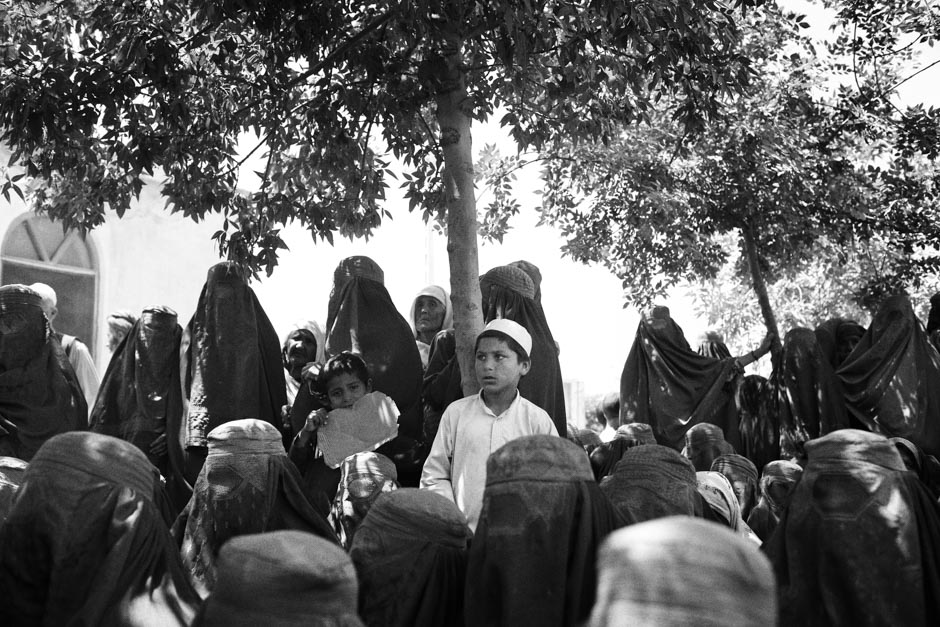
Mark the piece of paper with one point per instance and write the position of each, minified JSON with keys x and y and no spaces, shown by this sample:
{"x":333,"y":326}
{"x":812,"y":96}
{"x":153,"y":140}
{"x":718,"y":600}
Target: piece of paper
{"x":364,"y":427}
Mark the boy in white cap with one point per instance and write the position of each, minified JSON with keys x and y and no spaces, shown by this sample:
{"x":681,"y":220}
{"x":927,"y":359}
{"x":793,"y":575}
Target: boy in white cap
{"x":473,"y":427}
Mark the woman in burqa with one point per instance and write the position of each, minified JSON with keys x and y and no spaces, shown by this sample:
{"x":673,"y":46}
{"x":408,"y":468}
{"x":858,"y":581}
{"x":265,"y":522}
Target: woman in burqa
{"x":891,"y":380}
{"x":87,"y":542}
{"x":39,"y":394}
{"x":805,"y":396}
{"x":540,"y":492}
{"x":859,"y":543}
{"x":759,"y":433}
{"x":741,"y":473}
{"x":284,"y":579}
{"x":605,"y":456}
{"x":776,"y":485}
{"x":678,"y":571}
{"x":670,"y":387}
{"x":650,"y":482}
{"x":507,"y":292}
{"x":420,"y":533}
{"x":232,"y":363}
{"x":837,"y":339}
{"x":363,"y":319}
{"x":247,"y":485}
{"x":139,"y":397}
{"x":364,"y":478}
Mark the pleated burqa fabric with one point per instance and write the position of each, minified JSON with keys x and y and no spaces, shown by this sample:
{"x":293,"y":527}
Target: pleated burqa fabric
{"x":859,"y":543}
{"x":532,"y":559}
{"x":39,"y":394}
{"x":282,"y":578}
{"x":806,"y":397}
{"x":140,"y":398}
{"x":670,"y":387}
{"x":87,"y":544}
{"x":247,"y":485}
{"x":363,"y":319}
{"x":235,"y":368}
{"x":892,"y":378}
{"x":652,"y":481}
{"x":679,"y":571}
{"x":411,"y":557}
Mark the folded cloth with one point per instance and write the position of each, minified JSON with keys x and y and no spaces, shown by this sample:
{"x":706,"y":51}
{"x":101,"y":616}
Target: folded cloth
{"x":368,"y":424}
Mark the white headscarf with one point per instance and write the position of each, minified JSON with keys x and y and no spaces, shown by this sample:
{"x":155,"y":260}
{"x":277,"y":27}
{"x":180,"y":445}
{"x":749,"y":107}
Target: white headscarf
{"x":440,"y":294}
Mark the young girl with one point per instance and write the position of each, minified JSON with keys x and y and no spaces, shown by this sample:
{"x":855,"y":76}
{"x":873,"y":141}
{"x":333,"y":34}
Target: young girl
{"x":343,"y":381}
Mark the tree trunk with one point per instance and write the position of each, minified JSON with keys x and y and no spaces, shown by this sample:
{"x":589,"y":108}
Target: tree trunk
{"x":454,"y":122}
{"x":760,"y":288}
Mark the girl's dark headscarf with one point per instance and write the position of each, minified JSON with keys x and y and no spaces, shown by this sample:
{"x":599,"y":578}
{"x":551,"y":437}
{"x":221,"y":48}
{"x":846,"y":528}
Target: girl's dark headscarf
{"x":420,"y":533}
{"x":540,"y":494}
{"x":650,"y":482}
{"x":140,"y":396}
{"x":363,"y":319}
{"x":235,"y":366}
{"x":805,"y":394}
{"x":508,"y":292}
{"x":741,"y":469}
{"x":247,"y":485}
{"x":671,"y":387}
{"x":39,"y":394}
{"x":711,"y":344}
{"x":859,"y":543}
{"x":87,"y":543}
{"x":837,"y":338}
{"x":892,"y":378}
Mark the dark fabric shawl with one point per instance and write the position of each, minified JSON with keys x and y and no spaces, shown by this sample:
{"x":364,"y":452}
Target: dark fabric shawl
{"x":670,"y":387}
{"x":892,"y":378}
{"x":39,"y":394}
{"x":86,"y":543}
{"x":650,"y":482}
{"x":411,"y":556}
{"x":759,"y":433}
{"x":508,"y":292}
{"x":532,"y":560}
{"x":246,"y":486}
{"x":139,"y":397}
{"x":606,"y":455}
{"x":235,"y":368}
{"x":925,"y":466}
{"x":859,"y":543}
{"x":837,"y":337}
{"x":11,"y":476}
{"x":363,"y":319}
{"x":284,"y":579}
{"x":805,"y":394}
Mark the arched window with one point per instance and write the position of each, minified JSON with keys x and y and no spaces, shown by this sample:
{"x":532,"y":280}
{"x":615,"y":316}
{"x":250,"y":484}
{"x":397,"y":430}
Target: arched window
{"x":38,"y":250}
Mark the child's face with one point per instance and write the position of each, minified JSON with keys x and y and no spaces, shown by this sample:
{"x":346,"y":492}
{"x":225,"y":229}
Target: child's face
{"x":498,"y":367}
{"x":345,"y":389}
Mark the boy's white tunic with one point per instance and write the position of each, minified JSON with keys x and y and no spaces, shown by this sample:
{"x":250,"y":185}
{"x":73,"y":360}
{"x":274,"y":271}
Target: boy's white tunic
{"x":468,"y":433}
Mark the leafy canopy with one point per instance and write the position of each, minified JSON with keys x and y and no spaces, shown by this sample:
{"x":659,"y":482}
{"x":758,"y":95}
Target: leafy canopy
{"x":97,"y":93}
